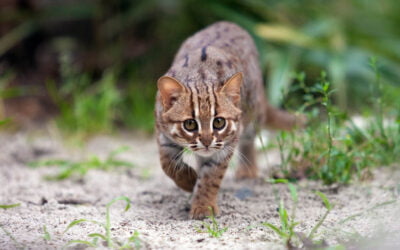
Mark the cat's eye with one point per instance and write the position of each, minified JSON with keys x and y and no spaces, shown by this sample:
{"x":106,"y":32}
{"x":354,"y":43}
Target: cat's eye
{"x":219,"y":123}
{"x":190,"y":125}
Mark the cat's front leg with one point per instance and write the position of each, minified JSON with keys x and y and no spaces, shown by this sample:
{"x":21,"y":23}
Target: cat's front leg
{"x":182,"y":174}
{"x":205,"y":194}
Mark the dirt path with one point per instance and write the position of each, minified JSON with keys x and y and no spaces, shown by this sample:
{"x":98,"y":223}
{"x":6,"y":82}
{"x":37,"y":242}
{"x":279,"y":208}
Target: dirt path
{"x":159,"y":210}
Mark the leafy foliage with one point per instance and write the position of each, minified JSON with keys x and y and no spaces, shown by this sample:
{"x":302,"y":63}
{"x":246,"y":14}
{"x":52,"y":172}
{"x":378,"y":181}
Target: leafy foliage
{"x":333,"y":147}
{"x":85,"y":108}
{"x":133,"y":42}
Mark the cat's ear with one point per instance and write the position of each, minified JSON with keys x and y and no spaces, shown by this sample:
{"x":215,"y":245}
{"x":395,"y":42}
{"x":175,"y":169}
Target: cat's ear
{"x":170,"y":90}
{"x":232,"y":88}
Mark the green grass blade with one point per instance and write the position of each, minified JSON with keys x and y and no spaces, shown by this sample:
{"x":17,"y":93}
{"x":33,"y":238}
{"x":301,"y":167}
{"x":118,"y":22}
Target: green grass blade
{"x":102,"y":236}
{"x":275,"y":181}
{"x":135,"y":239}
{"x":124,"y":198}
{"x":10,"y":206}
{"x":275,"y":229}
{"x":213,"y":228}
{"x":76,"y":222}
{"x":283,"y":215}
{"x":293,"y":192}
{"x":108,"y":220}
{"x":49,"y":163}
{"x":46,"y":234}
{"x":325,"y":200}
{"x":318,"y":224}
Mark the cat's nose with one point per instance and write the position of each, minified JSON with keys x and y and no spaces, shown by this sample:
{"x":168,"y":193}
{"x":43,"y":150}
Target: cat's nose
{"x":206,"y":140}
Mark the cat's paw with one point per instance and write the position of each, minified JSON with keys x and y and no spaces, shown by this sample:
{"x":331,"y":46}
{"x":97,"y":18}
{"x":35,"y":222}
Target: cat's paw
{"x":201,"y":212}
{"x":246,"y":173}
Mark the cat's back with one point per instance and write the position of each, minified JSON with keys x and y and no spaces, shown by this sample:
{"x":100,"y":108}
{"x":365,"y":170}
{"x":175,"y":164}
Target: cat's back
{"x":220,"y":50}
{"x":213,"y":55}
{"x":228,"y":37}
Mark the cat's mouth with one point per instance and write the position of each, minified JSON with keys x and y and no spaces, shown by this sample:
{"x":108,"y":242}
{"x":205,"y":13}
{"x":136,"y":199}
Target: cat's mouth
{"x":206,"y":152}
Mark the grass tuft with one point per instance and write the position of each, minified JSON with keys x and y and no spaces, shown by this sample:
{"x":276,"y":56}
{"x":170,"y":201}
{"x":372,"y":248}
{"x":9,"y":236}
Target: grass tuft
{"x":287,"y":222}
{"x":213,"y":228}
{"x":133,"y":242}
{"x":86,"y":108}
{"x":286,"y":229}
{"x":70,"y":168}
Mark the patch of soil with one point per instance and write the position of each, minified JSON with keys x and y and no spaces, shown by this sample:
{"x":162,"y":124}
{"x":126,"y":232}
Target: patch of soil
{"x":159,"y":209}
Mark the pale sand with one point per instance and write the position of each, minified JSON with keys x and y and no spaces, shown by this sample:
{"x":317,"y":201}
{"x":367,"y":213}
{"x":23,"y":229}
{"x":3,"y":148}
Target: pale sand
{"x":159,"y":209}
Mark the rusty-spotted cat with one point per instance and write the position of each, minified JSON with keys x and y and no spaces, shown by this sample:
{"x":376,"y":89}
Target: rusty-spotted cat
{"x":210,"y":101}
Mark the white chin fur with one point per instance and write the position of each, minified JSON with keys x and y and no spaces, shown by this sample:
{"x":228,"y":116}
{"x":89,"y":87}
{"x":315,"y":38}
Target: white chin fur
{"x":204,"y":153}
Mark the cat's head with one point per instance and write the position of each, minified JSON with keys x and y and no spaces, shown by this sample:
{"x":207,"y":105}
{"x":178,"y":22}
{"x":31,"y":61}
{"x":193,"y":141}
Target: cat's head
{"x":204,"y":118}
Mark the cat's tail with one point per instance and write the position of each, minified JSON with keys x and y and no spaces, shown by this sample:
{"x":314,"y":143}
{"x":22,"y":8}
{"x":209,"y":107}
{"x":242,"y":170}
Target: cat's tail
{"x":282,"y":120}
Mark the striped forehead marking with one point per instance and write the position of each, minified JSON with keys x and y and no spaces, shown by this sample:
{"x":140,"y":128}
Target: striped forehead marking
{"x":196,"y":104}
{"x":212,"y":100}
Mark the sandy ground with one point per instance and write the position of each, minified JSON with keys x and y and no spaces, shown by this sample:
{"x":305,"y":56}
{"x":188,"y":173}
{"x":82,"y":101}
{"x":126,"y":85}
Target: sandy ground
{"x":159,"y":210}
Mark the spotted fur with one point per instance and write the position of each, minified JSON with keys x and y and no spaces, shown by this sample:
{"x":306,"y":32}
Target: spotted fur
{"x":215,"y":74}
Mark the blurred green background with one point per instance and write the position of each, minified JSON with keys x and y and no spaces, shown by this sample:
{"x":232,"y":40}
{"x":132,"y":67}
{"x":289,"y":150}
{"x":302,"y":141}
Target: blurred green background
{"x":93,"y":64}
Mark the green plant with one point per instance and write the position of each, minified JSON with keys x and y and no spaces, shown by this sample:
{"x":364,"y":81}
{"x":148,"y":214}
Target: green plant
{"x":213,"y":228}
{"x":7,"y":92}
{"x":286,"y":230}
{"x":70,"y":168}
{"x":330,"y":159}
{"x":383,"y":140}
{"x":285,"y":139}
{"x":85,"y":107}
{"x":332,"y":147}
{"x":46,"y":234}
{"x":132,"y":242}
{"x":88,"y":106}
{"x":290,"y":35}
{"x":137,"y":107}
{"x":338,"y":161}
{"x":287,"y":222}
{"x":328,"y":207}
{"x":10,"y":206}
{"x":4,"y":122}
